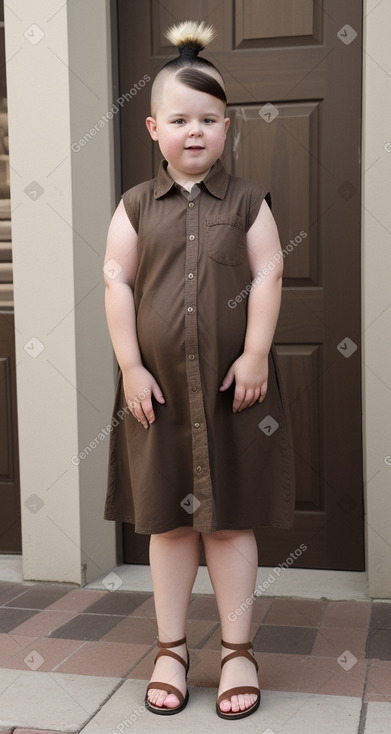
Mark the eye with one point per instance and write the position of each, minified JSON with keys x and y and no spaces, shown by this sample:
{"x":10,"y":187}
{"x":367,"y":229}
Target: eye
{"x":178,"y":121}
{"x":208,"y":120}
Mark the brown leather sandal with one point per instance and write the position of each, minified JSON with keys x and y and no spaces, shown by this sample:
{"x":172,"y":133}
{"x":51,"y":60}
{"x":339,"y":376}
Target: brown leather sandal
{"x":164,"y":710}
{"x":241,"y":651}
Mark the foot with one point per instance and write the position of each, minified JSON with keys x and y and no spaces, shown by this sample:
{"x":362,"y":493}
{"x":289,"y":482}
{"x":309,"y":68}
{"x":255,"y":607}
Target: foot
{"x":172,"y":672}
{"x":237,"y":672}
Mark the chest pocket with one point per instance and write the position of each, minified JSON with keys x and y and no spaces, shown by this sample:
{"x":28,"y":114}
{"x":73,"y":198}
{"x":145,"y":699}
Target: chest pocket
{"x":226,"y":238}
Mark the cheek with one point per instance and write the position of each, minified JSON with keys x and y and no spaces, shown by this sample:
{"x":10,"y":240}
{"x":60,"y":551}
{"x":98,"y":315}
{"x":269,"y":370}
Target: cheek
{"x":170,"y":141}
{"x":217,"y":135}
{"x":169,"y":147}
{"x":217,"y":139}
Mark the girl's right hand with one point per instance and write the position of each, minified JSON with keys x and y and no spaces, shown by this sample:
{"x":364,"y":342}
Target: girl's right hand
{"x":139,"y":386}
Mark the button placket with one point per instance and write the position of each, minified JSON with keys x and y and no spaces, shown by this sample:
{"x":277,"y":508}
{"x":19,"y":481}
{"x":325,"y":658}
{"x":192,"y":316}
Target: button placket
{"x":203,"y":517}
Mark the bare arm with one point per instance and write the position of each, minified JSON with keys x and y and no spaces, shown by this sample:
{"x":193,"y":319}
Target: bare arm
{"x":265,"y":298}
{"x":121,"y":263}
{"x":250,"y":370}
{"x":121,"y":255}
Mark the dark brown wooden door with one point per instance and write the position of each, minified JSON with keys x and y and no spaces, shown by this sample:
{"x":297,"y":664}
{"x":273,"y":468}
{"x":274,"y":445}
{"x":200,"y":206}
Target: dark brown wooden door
{"x":293,"y":78}
{"x":10,"y":528}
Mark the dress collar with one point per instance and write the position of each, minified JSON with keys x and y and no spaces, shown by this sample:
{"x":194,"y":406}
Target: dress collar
{"x":216,"y":181}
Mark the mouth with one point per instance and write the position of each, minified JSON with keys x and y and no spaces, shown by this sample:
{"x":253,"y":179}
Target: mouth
{"x":194,"y":147}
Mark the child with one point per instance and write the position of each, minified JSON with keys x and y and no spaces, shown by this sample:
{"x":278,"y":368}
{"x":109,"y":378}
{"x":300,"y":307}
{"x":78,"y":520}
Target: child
{"x":205,"y":450}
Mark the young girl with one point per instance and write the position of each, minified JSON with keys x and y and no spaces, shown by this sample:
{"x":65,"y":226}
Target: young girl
{"x":204,"y":449}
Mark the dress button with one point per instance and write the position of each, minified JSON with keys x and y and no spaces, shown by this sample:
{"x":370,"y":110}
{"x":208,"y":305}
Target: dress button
{"x":191,"y":204}
{"x":196,"y":425}
{"x":190,"y":309}
{"x":194,"y":388}
{"x":191,"y":356}
{"x":198,"y":469}
{"x":192,"y":237}
{"x":190,"y":276}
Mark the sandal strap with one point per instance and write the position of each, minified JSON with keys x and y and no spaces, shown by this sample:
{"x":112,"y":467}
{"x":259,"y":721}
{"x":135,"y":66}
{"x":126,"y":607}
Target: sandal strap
{"x":170,"y":654}
{"x":241,"y":651}
{"x":169,"y":689}
{"x":172,"y":644}
{"x":237,"y":645}
{"x":236,"y":691}
{"x":238,"y":654}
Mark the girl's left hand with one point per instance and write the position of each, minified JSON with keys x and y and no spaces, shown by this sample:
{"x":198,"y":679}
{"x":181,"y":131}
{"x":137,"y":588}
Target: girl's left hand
{"x":250,"y":373}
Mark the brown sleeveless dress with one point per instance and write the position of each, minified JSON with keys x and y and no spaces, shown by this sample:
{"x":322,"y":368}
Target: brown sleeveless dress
{"x":199,"y":464}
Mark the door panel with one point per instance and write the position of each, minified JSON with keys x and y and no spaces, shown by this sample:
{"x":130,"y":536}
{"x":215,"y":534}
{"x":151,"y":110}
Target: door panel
{"x":286,"y":160}
{"x":298,"y":21}
{"x":10,"y":528}
{"x":301,"y":365}
{"x":293,"y":79}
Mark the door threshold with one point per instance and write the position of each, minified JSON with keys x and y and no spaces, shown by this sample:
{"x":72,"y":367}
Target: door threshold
{"x":293,"y":582}
{"x":11,"y":568}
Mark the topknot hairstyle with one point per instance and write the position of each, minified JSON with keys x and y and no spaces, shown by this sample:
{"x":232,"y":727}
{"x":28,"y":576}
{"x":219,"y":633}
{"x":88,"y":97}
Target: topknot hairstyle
{"x":191,"y":37}
{"x":190,"y":34}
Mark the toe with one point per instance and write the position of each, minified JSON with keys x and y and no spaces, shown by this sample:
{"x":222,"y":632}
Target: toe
{"x":151,"y":695}
{"x":241,"y":704}
{"x":235,"y":703}
{"x":248,"y":700}
{"x":154,"y":695}
{"x":158,"y":697}
{"x":225,"y":705}
{"x":171,"y":701}
{"x":238,"y":703}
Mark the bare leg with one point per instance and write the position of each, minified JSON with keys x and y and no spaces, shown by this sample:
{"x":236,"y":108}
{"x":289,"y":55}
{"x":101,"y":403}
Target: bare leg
{"x":232,"y":560}
{"x":174,"y":559}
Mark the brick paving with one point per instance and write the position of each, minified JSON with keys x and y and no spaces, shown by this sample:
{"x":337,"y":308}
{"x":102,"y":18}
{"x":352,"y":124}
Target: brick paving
{"x":333,"y":648}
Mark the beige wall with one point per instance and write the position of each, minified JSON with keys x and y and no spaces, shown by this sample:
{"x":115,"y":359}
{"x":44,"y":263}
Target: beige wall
{"x":59,"y":85}
{"x":58,"y":89}
{"x":376,"y":326}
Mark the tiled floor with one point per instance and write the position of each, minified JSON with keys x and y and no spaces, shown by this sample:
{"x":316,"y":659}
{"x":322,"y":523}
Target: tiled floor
{"x":78,"y":660}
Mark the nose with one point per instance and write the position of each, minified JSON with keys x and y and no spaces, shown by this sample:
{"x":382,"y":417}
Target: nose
{"x":195,"y":130}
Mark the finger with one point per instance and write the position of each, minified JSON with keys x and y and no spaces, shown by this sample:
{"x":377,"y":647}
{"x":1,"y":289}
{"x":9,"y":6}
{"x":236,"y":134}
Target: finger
{"x":157,"y":393}
{"x":256,"y":396}
{"x":228,"y":380}
{"x":145,"y":413}
{"x":147,"y":409}
{"x":239,"y":396}
{"x":141,"y":418}
{"x":138,"y":414}
{"x":247,"y":400}
{"x":263,"y":392}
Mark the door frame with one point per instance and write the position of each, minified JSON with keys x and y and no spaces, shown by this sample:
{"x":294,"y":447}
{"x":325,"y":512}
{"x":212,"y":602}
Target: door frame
{"x":267,"y":533}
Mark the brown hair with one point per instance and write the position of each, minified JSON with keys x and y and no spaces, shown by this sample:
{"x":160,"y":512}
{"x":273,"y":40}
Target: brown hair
{"x":196,"y":79}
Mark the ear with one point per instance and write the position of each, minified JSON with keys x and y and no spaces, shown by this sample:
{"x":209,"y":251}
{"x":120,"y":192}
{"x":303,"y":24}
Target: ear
{"x":152,"y":127}
{"x":227,"y":123}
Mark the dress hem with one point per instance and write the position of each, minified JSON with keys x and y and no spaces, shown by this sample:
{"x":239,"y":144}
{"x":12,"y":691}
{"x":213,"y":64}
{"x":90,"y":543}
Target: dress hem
{"x":144,"y":531}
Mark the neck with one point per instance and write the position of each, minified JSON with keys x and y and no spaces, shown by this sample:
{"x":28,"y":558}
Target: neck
{"x":186,"y":182}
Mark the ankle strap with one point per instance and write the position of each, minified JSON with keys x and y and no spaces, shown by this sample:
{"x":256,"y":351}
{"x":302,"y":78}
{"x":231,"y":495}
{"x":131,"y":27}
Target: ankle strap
{"x":237,"y":645}
{"x":172,"y":644}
